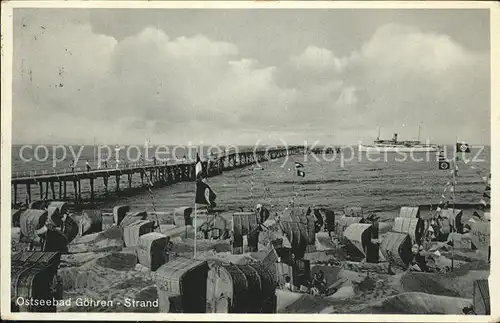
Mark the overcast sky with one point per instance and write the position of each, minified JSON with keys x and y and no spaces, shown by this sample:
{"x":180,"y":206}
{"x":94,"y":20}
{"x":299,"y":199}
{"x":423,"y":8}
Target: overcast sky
{"x":239,"y":76}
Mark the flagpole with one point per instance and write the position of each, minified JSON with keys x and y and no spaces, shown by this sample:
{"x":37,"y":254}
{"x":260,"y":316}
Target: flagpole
{"x":195,"y":229}
{"x":453,"y":204}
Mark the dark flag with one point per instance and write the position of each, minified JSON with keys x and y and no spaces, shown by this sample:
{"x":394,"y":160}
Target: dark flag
{"x":463,"y":147}
{"x":204,"y":194}
{"x":199,"y":167}
{"x":298,"y":165}
{"x":444,"y":165}
{"x":301,"y":173}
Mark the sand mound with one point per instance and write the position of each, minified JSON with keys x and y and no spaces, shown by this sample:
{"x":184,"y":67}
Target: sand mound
{"x":187,"y":245}
{"x":113,"y":232}
{"x":430,"y":283}
{"x":343,"y":293}
{"x":380,"y":268}
{"x":227,"y":257}
{"x":112,"y":277}
{"x":324,"y":242}
{"x":118,"y":261}
{"x":108,"y":240}
{"x":465,"y":282}
{"x":289,"y":302}
{"x":89,"y":276}
{"x":79,"y":259}
{"x":419,"y":303}
{"x":351,"y":276}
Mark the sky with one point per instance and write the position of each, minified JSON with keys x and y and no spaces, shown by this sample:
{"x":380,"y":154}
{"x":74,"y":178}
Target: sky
{"x":234,"y":76}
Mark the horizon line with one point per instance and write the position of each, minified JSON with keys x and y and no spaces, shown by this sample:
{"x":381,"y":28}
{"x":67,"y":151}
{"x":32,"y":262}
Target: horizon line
{"x":319,"y":144}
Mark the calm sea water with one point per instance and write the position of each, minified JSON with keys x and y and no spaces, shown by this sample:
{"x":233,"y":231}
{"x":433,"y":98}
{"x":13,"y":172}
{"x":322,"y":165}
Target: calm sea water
{"x":382,"y":185}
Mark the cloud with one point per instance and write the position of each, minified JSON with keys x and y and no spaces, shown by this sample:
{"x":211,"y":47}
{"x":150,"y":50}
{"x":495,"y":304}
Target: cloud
{"x":317,"y":58}
{"x":406,"y":76}
{"x":72,"y":84}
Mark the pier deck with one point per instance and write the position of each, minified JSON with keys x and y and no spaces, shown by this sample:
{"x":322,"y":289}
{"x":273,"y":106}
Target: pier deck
{"x":159,"y":173}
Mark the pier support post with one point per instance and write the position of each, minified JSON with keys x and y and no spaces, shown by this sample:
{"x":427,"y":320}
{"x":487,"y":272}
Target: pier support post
{"x":60,"y":190}
{"x":65,"y":195}
{"x":46,"y":190}
{"x":28,"y":191}
{"x":105,"y":179}
{"x":41,"y":190}
{"x":52,"y":188}
{"x":79,"y":190}
{"x":129,"y":177}
{"x":75,"y":188}
{"x":117,"y":183}
{"x":142,"y":178}
{"x":92,"y":189}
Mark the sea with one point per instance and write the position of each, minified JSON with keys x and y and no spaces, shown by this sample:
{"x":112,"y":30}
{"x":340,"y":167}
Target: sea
{"x":377,"y":182}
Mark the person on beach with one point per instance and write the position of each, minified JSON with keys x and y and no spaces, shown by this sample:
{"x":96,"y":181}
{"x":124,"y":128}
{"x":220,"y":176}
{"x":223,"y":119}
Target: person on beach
{"x":319,"y":282}
{"x":73,"y":164}
{"x":418,"y":262}
{"x":87,"y":166}
{"x":288,"y":283}
{"x":105,"y":164}
{"x":262,"y":213}
{"x":154,"y":161}
{"x":330,"y":223}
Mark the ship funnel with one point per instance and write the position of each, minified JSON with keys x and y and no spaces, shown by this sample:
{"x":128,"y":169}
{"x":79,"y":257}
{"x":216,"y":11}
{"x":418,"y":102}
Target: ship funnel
{"x":395,"y":138}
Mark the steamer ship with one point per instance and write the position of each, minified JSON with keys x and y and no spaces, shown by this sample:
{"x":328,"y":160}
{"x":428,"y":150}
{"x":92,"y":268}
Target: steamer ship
{"x":398,"y":146}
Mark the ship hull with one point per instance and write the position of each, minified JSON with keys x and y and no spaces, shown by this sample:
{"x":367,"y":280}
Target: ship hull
{"x":364,"y":148}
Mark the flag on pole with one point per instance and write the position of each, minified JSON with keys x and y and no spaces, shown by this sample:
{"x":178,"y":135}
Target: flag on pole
{"x":204,"y":194}
{"x":463,"y":147}
{"x":298,"y":165}
{"x":198,"y":167}
{"x":301,"y":173}
{"x":444,"y":165}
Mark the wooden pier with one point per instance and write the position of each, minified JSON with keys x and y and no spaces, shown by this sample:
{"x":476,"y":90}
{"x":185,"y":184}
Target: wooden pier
{"x":56,"y":186}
